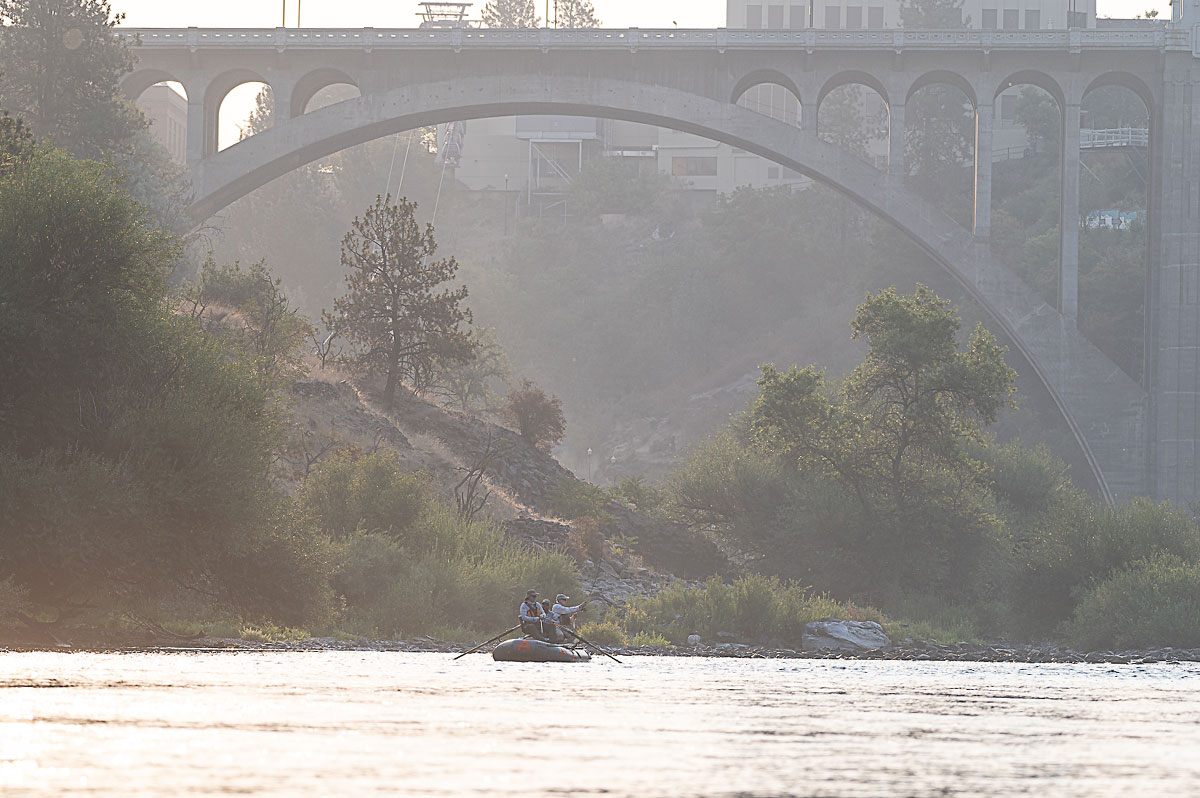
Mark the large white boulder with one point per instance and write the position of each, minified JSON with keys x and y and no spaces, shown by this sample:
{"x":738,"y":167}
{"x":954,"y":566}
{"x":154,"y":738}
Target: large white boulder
{"x":833,"y":634}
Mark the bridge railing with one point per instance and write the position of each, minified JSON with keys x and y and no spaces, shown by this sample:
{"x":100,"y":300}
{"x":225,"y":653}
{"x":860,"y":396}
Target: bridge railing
{"x":1114,"y":137}
{"x":656,"y":38}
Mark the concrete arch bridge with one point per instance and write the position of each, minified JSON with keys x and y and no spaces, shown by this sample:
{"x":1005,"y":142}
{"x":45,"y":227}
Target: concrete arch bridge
{"x":1138,"y":438}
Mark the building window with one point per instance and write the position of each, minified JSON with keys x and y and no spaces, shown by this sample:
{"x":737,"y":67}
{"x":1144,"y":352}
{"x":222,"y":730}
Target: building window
{"x":773,"y":100}
{"x":772,"y":173}
{"x":1033,"y":19}
{"x":775,"y":17}
{"x":694,"y":166}
{"x":875,"y":17}
{"x":753,"y":16}
{"x":833,"y":17}
{"x":989,"y":19}
{"x":1012,"y":18}
{"x":1008,"y":107}
{"x":853,"y":17}
{"x":798,"y":17}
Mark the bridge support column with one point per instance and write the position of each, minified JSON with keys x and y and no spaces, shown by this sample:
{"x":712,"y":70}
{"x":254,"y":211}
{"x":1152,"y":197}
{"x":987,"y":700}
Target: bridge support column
{"x":896,"y":140}
{"x":1173,"y":302}
{"x":983,"y":171}
{"x":197,"y":131}
{"x":1068,"y":270}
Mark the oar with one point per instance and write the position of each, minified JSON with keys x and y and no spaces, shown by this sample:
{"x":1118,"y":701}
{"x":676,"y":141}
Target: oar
{"x":573,"y":634}
{"x":494,"y":639}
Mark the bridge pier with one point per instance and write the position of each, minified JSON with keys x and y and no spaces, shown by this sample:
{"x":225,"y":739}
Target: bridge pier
{"x":896,"y":139}
{"x":1173,"y":322}
{"x":196,"y":119}
{"x":983,"y":170}
{"x":1068,"y":269}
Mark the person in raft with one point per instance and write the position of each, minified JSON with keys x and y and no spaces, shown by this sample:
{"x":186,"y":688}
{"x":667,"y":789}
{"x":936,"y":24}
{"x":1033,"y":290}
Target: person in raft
{"x":533,"y":617}
{"x":563,"y":615}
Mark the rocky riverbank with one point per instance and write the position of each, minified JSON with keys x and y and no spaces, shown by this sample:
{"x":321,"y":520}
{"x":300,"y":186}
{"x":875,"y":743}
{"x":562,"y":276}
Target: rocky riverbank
{"x":917,"y":650}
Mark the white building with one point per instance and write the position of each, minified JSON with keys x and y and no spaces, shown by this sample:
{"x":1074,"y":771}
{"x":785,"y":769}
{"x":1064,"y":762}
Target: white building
{"x":166,"y":111}
{"x":855,"y":14}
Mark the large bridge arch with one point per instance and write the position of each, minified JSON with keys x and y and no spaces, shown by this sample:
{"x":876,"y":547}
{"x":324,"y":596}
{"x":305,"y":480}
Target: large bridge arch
{"x":1082,"y":381}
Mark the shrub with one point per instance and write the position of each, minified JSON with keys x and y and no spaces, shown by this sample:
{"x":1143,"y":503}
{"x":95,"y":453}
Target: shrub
{"x":281,"y":571}
{"x":572,"y":498}
{"x":1152,"y":602}
{"x":607,"y":633}
{"x":586,"y":541}
{"x":641,"y":495}
{"x":350,"y":492}
{"x":648,"y":639}
{"x":461,"y":575}
{"x":1078,"y":545}
{"x":13,"y":598}
{"x":539,"y":419}
{"x":1027,"y":480}
{"x":752,"y":607}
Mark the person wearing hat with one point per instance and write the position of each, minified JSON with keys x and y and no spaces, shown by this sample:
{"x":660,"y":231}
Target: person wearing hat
{"x":533,"y":617}
{"x":561,"y":614}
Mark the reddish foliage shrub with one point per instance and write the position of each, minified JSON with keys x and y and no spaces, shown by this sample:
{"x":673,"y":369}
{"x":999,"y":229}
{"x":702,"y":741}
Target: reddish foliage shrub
{"x":537,"y":417}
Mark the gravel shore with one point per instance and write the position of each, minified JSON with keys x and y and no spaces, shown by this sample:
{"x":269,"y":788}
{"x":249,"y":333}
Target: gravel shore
{"x":915,"y":651}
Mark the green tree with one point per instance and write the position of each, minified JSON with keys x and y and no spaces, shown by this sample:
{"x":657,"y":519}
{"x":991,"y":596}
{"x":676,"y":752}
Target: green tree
{"x":260,"y":118}
{"x":933,"y":14}
{"x":844,"y":122}
{"x":472,"y":384}
{"x":134,"y":451}
{"x":894,"y":437}
{"x":271,"y":331}
{"x":510,"y":14}
{"x":575,"y":14}
{"x":62,"y":62}
{"x":16,"y":142}
{"x":400,"y":326}
{"x":538,"y":418}
{"x":1039,"y":114}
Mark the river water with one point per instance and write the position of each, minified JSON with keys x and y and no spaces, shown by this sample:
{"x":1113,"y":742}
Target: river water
{"x":371,"y":723}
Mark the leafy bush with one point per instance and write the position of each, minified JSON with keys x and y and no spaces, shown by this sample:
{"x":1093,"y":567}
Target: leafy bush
{"x":572,"y":498}
{"x":1079,"y":545}
{"x":1151,"y":602}
{"x":280,"y":572}
{"x":464,"y":575}
{"x":586,"y":541}
{"x":273,"y":332}
{"x":607,"y":633}
{"x":349,"y":492}
{"x":648,"y":639}
{"x":538,"y":418}
{"x":640,"y":494}
{"x":13,"y":598}
{"x":1026,"y":480}
{"x":752,"y":607}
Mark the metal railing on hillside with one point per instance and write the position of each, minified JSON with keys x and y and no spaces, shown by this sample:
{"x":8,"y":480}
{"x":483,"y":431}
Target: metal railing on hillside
{"x":1114,"y":137}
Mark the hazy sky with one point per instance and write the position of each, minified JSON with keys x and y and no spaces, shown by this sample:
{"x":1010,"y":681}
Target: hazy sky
{"x":402,"y":14}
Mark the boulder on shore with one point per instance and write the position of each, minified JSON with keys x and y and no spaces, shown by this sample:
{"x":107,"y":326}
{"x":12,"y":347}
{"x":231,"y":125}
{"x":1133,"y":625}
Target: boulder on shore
{"x":833,"y":634}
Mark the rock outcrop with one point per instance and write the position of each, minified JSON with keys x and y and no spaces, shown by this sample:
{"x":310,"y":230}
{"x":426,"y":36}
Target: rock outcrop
{"x":833,"y":634}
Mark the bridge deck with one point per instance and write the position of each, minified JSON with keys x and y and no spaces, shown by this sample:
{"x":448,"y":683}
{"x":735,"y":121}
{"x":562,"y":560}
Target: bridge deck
{"x":662,"y":39}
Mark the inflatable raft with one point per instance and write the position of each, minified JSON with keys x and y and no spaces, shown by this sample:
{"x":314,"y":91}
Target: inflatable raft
{"x":526,"y":649}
